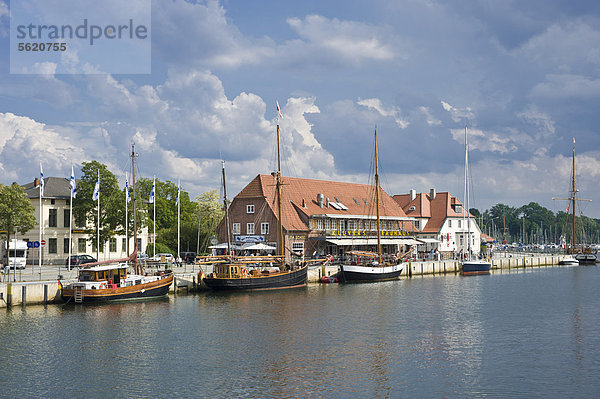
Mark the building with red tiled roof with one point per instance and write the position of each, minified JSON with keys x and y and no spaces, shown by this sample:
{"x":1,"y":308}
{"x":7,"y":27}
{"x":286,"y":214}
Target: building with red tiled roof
{"x":319,"y":217}
{"x":442,"y":221}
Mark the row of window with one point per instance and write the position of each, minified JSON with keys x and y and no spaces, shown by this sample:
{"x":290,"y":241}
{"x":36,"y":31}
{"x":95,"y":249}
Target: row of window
{"x":333,"y":224}
{"x":53,"y":218}
{"x":82,"y":245}
{"x":459,"y":223}
{"x":237,"y":228}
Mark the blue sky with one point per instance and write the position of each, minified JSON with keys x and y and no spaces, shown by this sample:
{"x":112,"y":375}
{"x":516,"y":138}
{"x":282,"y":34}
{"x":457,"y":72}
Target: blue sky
{"x":523,"y":76}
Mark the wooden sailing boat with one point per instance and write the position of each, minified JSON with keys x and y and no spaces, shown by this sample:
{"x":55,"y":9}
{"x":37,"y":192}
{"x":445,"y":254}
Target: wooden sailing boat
{"x":110,"y":280}
{"x":375,"y":269}
{"x":583,"y":253}
{"x":233,"y":272}
{"x":469,"y":265}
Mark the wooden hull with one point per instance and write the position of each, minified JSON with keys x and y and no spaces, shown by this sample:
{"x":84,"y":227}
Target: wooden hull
{"x":291,"y":279}
{"x":366,"y":274}
{"x":139,"y":291}
{"x":474,"y":267}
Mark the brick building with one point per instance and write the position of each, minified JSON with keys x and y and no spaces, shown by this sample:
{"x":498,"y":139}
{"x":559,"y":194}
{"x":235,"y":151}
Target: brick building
{"x":319,"y":217}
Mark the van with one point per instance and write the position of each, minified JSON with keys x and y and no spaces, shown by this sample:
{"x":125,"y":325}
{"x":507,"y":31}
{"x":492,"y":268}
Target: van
{"x":17,"y":254}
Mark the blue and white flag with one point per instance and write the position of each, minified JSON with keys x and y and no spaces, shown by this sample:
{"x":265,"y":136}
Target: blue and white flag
{"x":97,"y":188}
{"x":178,"y":190}
{"x":72,"y":183}
{"x":41,"y":181}
{"x":152,"y":193}
{"x":127,"y":195}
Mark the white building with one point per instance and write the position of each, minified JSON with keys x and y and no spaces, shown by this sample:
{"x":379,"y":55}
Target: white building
{"x":55,"y":227}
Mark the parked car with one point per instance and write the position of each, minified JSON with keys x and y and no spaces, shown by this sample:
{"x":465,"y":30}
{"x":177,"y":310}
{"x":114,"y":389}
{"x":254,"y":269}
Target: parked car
{"x":78,"y":260}
{"x":142,"y":257}
{"x":168,"y":258}
{"x":188,"y":257}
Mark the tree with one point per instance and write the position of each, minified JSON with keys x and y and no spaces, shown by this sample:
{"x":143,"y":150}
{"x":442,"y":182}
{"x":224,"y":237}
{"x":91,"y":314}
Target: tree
{"x":112,"y":202}
{"x":16,"y":211}
{"x":210,"y":213}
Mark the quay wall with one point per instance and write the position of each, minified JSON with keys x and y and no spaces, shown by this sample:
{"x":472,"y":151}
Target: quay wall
{"x":42,"y":292}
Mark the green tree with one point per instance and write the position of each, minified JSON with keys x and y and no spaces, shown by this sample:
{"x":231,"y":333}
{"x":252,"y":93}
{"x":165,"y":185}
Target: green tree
{"x":112,"y":202}
{"x":209,"y":213}
{"x":16,"y":211}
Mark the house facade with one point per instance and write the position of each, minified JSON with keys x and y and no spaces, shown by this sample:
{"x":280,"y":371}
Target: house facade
{"x":442,"y":222}
{"x":56,"y":225}
{"x":319,"y":217}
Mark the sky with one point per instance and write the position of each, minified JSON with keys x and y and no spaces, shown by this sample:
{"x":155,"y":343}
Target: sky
{"x":522,"y":76}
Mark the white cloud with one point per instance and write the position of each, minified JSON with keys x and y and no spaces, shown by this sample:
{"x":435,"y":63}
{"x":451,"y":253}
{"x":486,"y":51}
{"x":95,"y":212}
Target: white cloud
{"x":431,"y":120}
{"x":458,"y":114}
{"x":567,"y":86}
{"x":393,"y":112}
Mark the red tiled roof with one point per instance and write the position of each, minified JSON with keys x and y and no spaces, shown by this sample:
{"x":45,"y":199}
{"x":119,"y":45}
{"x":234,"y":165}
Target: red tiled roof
{"x":300,"y":199}
{"x":437,"y":210}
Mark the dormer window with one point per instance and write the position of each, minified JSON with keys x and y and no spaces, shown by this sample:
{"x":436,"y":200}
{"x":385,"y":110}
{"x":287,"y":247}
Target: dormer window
{"x":457,"y":208}
{"x":412,"y":208}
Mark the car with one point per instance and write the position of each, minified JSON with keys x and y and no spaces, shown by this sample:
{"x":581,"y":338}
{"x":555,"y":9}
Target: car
{"x":158,"y":258}
{"x":188,"y":257}
{"x":78,"y":260}
{"x":142,"y":257}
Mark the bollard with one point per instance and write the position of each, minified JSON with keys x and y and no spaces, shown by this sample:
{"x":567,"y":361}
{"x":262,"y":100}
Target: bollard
{"x":45,"y":294}
{"x":8,"y":295}
{"x":23,"y":295}
{"x":175,"y":285}
{"x":194,"y":282}
{"x":409,"y":269}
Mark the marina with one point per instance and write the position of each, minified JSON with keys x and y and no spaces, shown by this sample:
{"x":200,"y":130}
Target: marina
{"x":526,"y":333}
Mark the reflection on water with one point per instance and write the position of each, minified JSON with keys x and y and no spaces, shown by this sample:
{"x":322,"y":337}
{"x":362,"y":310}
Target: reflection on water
{"x":504,"y":335}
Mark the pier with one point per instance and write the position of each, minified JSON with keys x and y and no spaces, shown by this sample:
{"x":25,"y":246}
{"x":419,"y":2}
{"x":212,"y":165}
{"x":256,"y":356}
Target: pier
{"x":33,"y":288}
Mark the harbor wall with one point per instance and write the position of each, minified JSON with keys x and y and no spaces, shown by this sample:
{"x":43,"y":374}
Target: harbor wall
{"x":42,"y":292}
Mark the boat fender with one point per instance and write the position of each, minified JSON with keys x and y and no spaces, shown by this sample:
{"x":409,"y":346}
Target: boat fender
{"x":103,"y":285}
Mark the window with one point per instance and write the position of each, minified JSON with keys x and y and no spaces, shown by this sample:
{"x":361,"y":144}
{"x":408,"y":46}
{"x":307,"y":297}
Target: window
{"x":249,"y":208}
{"x":333,"y":224}
{"x":373,"y":225}
{"x":52,"y":217}
{"x":66,"y":218}
{"x":249,"y":228}
{"x":360,"y":224}
{"x":351,"y":224}
{"x":65,"y":245}
{"x":459,"y":223}
{"x":298,"y":247}
{"x":52,"y":244}
{"x":112,"y":245}
{"x":124,"y":245}
{"x":52,"y":202}
{"x":449,"y":224}
{"x":236,"y":228}
{"x":412,"y":208}
{"x":342,"y":225}
{"x":319,"y":224}
{"x":417,"y":225}
{"x":327,"y":224}
{"x":139,"y":245}
{"x":264,"y":228}
{"x":81,"y":245}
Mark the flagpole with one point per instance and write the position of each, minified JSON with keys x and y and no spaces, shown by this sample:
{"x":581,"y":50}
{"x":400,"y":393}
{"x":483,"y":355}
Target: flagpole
{"x":98,"y":224}
{"x":154,"y":224}
{"x":178,"y":218}
{"x":71,"y":218}
{"x":126,"y":215}
{"x":41,"y":216}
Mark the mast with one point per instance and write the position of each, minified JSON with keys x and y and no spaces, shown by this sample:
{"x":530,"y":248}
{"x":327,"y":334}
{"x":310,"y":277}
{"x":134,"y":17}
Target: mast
{"x":279,"y":184}
{"x":137,"y":266}
{"x":466,"y":213}
{"x":225,"y":204}
{"x":377,"y":201}
{"x":573,"y":194}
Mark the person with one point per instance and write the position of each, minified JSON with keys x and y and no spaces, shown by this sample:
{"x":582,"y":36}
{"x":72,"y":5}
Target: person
{"x":178,"y":260}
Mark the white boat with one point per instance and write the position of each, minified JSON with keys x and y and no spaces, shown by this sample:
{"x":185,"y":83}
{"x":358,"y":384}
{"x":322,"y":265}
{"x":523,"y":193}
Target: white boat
{"x":568,"y":261}
{"x":470,"y":266}
{"x":370,"y":266}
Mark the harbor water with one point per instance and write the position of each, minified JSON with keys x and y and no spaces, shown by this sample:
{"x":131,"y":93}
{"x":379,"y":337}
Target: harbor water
{"x":513,"y":334}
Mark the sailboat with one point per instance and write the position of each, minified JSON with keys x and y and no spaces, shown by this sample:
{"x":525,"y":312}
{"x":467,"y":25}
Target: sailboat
{"x":233,"y":272}
{"x":583,"y":254}
{"x":470,"y":266}
{"x":374,"y":269}
{"x":110,"y":280}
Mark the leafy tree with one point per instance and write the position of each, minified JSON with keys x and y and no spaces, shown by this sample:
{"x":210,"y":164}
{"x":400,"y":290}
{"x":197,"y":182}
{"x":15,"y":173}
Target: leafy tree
{"x":16,"y":211}
{"x":210,"y":213}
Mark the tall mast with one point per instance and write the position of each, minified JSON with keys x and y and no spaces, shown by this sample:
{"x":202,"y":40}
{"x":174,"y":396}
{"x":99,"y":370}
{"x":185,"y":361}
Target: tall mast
{"x":466,"y":211}
{"x":573,"y":195}
{"x":377,"y":200}
{"x":137,"y":266}
{"x":226,"y":205}
{"x":279,"y":184}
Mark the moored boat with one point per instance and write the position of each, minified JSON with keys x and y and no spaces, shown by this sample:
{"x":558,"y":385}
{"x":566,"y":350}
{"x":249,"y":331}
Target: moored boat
{"x":371,"y":266}
{"x":568,"y":261}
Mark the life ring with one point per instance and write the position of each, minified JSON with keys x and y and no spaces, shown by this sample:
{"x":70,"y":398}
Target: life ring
{"x":103,"y":285}
{"x":244,"y":272}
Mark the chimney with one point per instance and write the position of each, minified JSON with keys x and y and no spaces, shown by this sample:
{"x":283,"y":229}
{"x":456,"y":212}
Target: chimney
{"x":327,"y":202}
{"x":413,"y":194}
{"x":432,"y":194}
{"x":320,"y":199}
{"x":303,"y":203}
{"x":36,"y":182}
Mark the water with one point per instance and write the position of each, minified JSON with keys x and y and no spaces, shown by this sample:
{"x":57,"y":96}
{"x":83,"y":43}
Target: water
{"x":516,"y":334}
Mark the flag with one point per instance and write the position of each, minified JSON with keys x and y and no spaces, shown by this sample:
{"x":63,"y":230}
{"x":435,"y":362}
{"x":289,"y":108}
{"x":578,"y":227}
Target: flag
{"x":178,"y":190}
{"x":568,"y":206}
{"x":60,"y":286}
{"x":151,"y":200}
{"x":73,"y":185}
{"x":127,"y":195}
{"x":41,"y":181}
{"x":279,"y":110}
{"x":97,"y":189}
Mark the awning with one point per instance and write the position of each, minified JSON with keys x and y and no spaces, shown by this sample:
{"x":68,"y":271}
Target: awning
{"x":260,"y":246}
{"x":224,"y":246}
{"x":371,"y":241}
{"x":429,"y":240}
